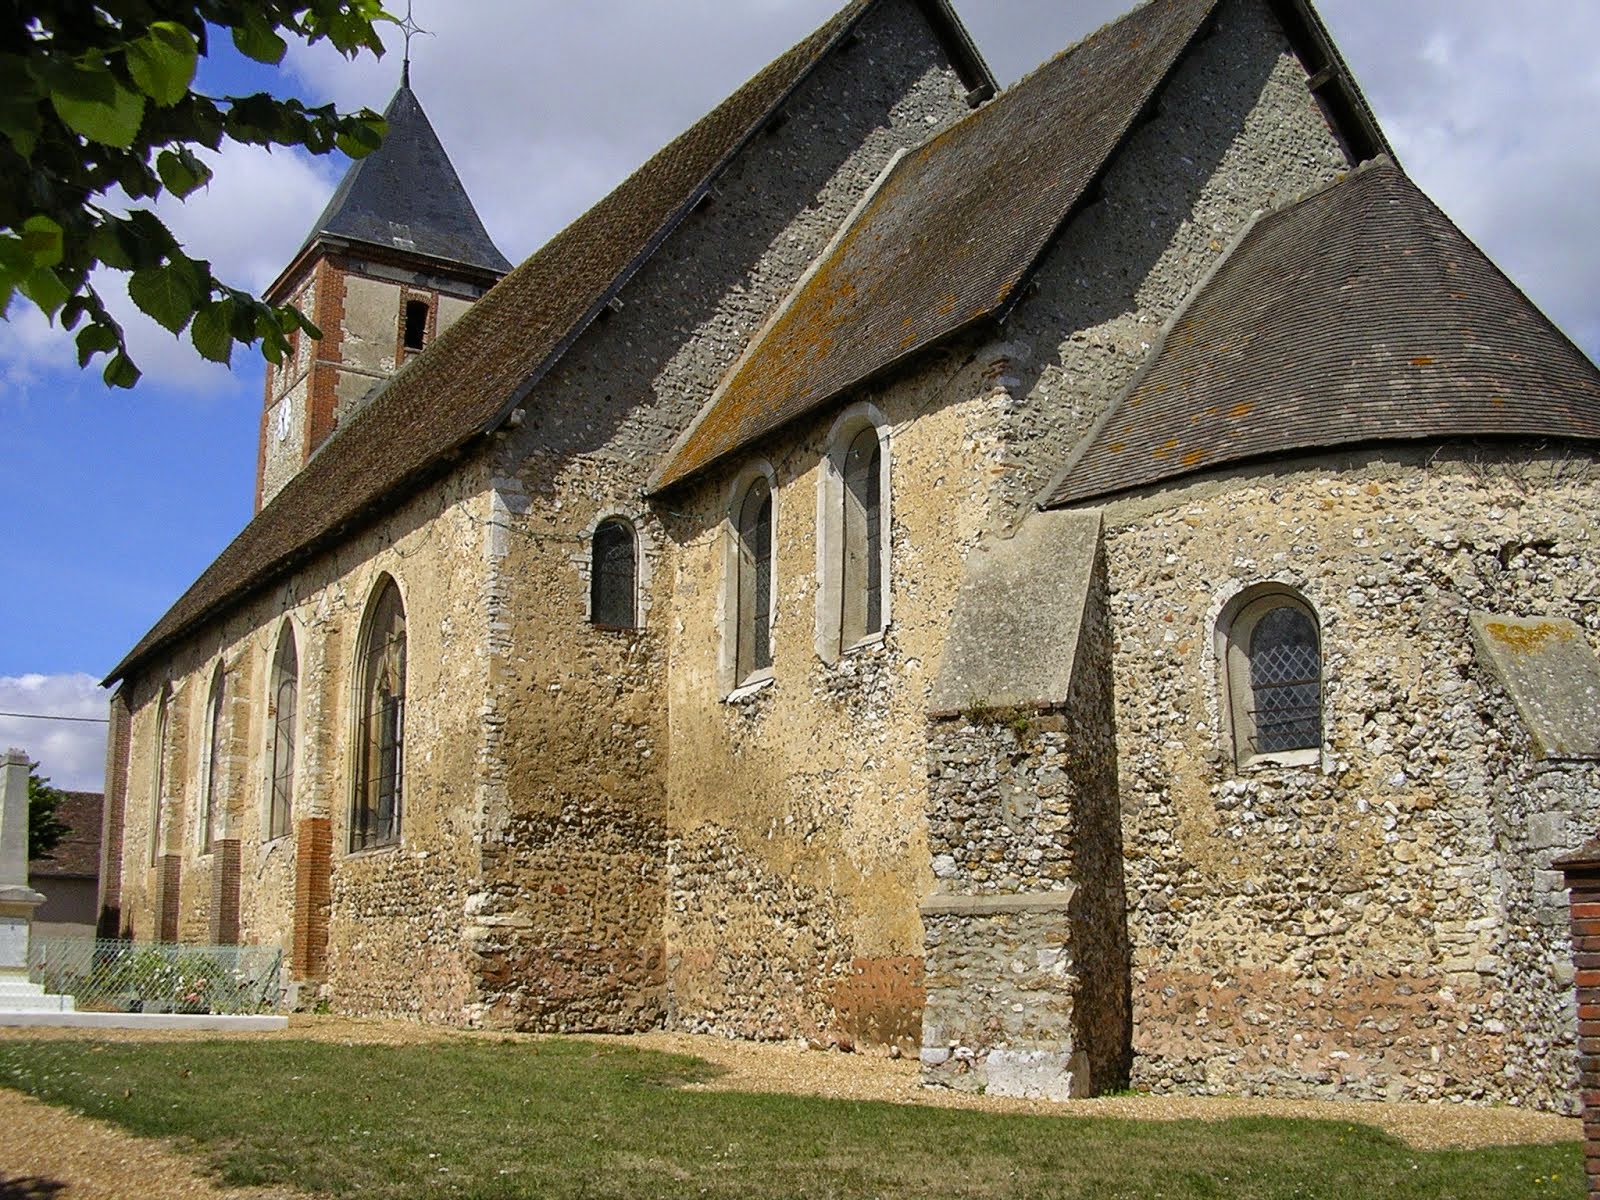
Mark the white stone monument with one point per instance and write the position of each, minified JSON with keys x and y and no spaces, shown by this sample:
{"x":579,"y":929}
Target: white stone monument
{"x":17,"y":899}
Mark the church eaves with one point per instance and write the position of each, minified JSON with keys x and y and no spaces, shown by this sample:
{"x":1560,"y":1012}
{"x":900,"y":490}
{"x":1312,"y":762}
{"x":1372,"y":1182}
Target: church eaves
{"x":1358,"y":315}
{"x":407,"y":196}
{"x":489,"y":362}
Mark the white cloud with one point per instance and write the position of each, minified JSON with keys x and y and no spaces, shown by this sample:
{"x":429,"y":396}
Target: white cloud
{"x":247,"y":222}
{"x":71,"y":754}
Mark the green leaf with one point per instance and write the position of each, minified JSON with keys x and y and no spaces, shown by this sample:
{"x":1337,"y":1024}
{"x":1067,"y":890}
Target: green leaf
{"x":96,"y":339}
{"x":182,"y":172}
{"x":19,"y":105}
{"x":42,"y":241}
{"x":92,"y":102}
{"x":211,"y":331}
{"x":168,"y":294}
{"x":44,"y":288}
{"x":120,"y":371}
{"x":162,"y":63}
{"x":362,"y":136}
{"x":256,"y":39}
{"x":274,"y":345}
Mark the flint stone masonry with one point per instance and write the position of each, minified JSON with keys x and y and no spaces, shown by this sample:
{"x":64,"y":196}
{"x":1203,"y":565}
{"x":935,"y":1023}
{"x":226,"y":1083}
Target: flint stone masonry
{"x":1552,"y":676}
{"x":1024,"y":934}
{"x":1377,"y":924}
{"x":577,"y":816}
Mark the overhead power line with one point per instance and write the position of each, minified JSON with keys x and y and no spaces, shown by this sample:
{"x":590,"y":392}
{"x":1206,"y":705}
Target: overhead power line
{"x":48,"y":717}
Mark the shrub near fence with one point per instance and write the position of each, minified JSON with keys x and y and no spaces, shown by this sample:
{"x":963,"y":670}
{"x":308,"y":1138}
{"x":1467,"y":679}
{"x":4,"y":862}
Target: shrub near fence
{"x":117,"y":976}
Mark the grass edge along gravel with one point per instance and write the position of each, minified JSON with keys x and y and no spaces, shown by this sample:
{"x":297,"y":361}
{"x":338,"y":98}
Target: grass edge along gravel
{"x":569,"y":1118}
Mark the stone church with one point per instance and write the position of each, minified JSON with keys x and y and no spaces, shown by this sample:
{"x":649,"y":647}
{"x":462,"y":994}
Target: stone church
{"x":1095,"y":583}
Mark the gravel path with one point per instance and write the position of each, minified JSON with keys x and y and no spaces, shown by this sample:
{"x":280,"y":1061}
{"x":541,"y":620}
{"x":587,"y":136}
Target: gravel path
{"x":48,"y":1154}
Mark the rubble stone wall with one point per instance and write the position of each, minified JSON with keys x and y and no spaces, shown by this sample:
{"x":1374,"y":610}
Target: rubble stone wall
{"x":1383,"y":922}
{"x":569,"y":925}
{"x":394,"y":942}
{"x":1026,"y":933}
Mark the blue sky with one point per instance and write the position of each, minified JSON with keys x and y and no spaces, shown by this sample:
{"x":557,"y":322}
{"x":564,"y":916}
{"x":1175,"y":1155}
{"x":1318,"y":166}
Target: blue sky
{"x":111,"y":503}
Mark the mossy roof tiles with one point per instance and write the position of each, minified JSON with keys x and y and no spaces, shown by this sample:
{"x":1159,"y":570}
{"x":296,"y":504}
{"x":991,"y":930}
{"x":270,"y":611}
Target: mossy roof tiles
{"x":950,"y":234}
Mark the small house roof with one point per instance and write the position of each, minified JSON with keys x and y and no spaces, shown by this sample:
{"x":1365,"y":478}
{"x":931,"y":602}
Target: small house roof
{"x":77,"y":855}
{"x":1359,"y":314}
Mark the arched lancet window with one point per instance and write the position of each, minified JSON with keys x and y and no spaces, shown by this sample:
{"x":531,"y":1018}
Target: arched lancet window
{"x":216,"y":748}
{"x":157,"y":796}
{"x":861,"y":541}
{"x":613,"y":576}
{"x":1274,"y":676}
{"x":753,"y":626}
{"x":380,"y":763}
{"x":285,"y":700}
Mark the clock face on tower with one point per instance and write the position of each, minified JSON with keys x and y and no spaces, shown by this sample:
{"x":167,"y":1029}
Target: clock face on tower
{"x":285,"y":413}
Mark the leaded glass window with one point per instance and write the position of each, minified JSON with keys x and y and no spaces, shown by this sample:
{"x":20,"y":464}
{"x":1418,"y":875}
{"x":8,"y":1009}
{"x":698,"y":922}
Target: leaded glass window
{"x":755,"y":580}
{"x":861,"y":580}
{"x":613,"y":579}
{"x":1274,"y":677}
{"x":380,"y":768}
{"x":285,"y":701}
{"x":1285,"y":682}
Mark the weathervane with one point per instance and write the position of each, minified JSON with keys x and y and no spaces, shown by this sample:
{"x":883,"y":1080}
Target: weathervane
{"x":411,"y":29}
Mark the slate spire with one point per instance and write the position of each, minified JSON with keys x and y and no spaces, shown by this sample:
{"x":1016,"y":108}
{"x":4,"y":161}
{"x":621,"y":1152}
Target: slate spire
{"x":407,"y":196}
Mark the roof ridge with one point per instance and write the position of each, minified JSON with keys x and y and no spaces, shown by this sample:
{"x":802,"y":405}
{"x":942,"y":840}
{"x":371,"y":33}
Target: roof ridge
{"x":504,"y":344}
{"x":1164,"y":32}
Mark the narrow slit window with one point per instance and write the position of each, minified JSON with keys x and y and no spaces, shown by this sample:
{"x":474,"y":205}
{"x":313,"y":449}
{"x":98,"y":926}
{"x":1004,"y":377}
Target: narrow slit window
{"x":380,"y":767}
{"x":613,"y":581}
{"x":416,"y":324}
{"x":755,"y":581}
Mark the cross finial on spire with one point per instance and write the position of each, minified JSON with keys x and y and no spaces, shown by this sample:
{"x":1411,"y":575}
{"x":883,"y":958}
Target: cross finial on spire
{"x":411,"y":29}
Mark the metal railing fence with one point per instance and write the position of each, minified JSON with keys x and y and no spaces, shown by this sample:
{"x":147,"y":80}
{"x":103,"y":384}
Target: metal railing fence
{"x":118,"y":976}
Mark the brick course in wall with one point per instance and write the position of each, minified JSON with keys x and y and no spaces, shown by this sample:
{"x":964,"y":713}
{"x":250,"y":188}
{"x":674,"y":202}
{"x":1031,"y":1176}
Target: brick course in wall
{"x":1582,"y":874}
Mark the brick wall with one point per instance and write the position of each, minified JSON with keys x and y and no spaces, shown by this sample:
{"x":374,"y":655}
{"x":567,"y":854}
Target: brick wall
{"x":1583,"y":879}
{"x":312,"y":890}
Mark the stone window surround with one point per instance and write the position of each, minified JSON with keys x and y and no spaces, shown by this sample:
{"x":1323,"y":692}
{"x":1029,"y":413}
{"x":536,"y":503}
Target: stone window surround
{"x":731,"y":686}
{"x":159,"y":775}
{"x":356,"y":674}
{"x":830,"y":528}
{"x":212,"y":764}
{"x":643,"y":569}
{"x":1247,"y":604}
{"x":286,"y":628}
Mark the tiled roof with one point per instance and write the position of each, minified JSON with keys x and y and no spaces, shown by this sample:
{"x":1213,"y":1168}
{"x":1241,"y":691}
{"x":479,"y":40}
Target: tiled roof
{"x":950,"y":234}
{"x":486,"y":363}
{"x":78,"y":854}
{"x":1360,"y":314}
{"x":406,"y":195}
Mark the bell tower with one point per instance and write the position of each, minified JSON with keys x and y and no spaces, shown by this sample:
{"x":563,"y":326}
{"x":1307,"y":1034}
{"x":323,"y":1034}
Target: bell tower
{"x":395,"y":258}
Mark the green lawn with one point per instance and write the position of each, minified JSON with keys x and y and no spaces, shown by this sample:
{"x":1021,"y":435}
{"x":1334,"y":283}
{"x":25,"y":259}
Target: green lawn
{"x":567,"y":1118}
